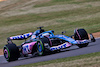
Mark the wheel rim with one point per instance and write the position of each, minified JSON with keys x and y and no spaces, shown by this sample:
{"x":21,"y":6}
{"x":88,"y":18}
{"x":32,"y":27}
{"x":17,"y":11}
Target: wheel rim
{"x":40,"y":48}
{"x":6,"y":53}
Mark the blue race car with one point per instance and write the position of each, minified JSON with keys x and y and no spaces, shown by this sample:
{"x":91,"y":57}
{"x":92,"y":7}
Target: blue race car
{"x":48,"y":42}
{"x":42,"y":42}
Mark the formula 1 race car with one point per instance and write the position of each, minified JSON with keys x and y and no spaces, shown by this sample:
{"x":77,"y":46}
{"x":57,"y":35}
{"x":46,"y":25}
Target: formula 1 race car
{"x":42,"y":42}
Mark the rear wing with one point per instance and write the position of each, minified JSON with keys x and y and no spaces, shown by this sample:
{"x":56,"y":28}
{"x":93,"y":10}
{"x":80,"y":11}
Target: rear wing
{"x":19,"y":37}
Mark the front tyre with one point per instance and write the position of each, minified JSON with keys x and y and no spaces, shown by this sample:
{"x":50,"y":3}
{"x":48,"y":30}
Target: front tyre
{"x":11,"y":52}
{"x":81,"y":34}
{"x":43,"y":45}
{"x":82,"y":45}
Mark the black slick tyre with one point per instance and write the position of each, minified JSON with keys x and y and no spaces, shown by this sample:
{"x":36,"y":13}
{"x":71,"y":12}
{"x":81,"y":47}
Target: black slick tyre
{"x":41,"y":45}
{"x":81,"y":34}
{"x":11,"y":52}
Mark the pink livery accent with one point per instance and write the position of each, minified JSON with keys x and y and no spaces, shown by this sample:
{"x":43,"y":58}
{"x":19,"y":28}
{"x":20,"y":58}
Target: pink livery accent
{"x":78,"y":34}
{"x":27,"y":48}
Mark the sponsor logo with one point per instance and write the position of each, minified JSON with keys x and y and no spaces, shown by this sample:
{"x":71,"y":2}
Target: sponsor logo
{"x":21,"y":36}
{"x":65,"y":45}
{"x":82,"y":41}
{"x":26,"y":49}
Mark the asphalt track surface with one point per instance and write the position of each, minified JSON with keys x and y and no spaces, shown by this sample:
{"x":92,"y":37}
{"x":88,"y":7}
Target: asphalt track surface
{"x":72,"y":51}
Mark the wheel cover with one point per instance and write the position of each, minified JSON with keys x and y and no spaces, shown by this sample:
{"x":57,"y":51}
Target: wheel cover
{"x":40,"y":47}
{"x":6,"y":53}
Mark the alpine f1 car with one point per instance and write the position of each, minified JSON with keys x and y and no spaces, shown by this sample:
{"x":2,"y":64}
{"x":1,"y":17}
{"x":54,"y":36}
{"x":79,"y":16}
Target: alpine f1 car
{"x":42,"y":42}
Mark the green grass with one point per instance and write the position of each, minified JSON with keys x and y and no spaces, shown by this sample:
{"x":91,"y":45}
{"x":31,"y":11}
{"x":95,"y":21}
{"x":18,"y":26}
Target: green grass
{"x":60,"y":2}
{"x":68,"y":59}
{"x":87,"y":17}
{"x":33,"y":18}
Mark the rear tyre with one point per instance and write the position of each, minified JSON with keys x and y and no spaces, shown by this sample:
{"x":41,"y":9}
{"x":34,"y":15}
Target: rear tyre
{"x":11,"y":52}
{"x":41,"y":44}
{"x":81,"y":34}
